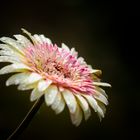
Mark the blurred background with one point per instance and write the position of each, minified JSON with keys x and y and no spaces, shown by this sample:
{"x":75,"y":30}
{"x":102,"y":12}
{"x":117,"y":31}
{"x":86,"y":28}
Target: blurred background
{"x":106,"y":34}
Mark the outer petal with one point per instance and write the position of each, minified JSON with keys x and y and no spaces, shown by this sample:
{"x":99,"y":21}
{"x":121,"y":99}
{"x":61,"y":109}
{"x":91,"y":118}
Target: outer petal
{"x":5,"y":47}
{"x":26,"y":86}
{"x":92,"y":102}
{"x":100,"y":113}
{"x":50,"y":94}
{"x":76,"y":117}
{"x":29,"y":34}
{"x":37,"y":38}
{"x":101,"y":91}
{"x":64,"y":46}
{"x":97,"y":72}
{"x":9,"y":59}
{"x":100,"y":97}
{"x":35,"y":94}
{"x":6,"y":53}
{"x":16,"y":67}
{"x":73,"y":52}
{"x":58,"y":104}
{"x":45,"y":40}
{"x":101,"y":84}
{"x":70,"y":100}
{"x":102,"y":106}
{"x":81,"y":61}
{"x":43,"y":85}
{"x":23,"y":40}
{"x":84,"y":105}
{"x":17,"y":79}
{"x":9,"y":51}
{"x":12,"y":44}
{"x":33,"y":77}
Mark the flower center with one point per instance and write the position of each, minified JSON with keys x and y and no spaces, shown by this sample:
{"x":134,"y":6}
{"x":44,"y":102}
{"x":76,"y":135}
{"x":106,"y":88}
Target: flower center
{"x":60,"y":66}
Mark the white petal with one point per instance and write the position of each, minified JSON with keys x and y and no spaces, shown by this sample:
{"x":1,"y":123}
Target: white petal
{"x":12,"y":44}
{"x":70,"y":100}
{"x":92,"y":102}
{"x":50,"y":94}
{"x":33,"y":77}
{"x":38,"y":38}
{"x":43,"y":85}
{"x":76,"y":117}
{"x":17,"y":79}
{"x":101,"y":91}
{"x":31,"y":37}
{"x":6,"y":53}
{"x":9,"y":59}
{"x":9,"y":51}
{"x":61,"y":89}
{"x":101,"y":84}
{"x":100,"y":97}
{"x":73,"y":52}
{"x":5,"y":47}
{"x":23,"y":86}
{"x":102,"y":106}
{"x":45,"y":40}
{"x":84,"y":105}
{"x":23,"y":40}
{"x":100,"y":113}
{"x":35,"y":94}
{"x":64,"y":46}
{"x":17,"y":67}
{"x":81,"y":60}
{"x":58,"y":104}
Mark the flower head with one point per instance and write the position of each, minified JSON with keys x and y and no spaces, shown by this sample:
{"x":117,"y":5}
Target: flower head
{"x":55,"y":72}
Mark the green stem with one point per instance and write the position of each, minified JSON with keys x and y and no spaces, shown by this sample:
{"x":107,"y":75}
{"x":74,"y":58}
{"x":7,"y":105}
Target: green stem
{"x":23,"y":125}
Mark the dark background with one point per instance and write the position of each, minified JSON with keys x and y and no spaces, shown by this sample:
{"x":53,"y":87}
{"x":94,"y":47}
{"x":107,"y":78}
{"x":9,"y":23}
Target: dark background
{"x":106,"y":34}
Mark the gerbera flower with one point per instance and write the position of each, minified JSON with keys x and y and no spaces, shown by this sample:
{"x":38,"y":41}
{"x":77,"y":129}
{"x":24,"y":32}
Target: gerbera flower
{"x":57,"y":73}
